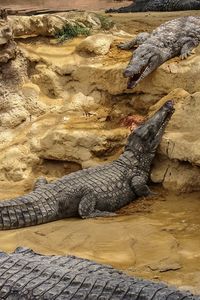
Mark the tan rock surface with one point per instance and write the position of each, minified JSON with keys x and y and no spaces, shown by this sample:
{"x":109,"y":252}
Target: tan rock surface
{"x":78,"y":139}
{"x":176,"y":175}
{"x":105,"y":75}
{"x":181,"y":144}
{"x":49,"y":25}
{"x":60,"y":84}
{"x":7,"y":44}
{"x":98,"y":44}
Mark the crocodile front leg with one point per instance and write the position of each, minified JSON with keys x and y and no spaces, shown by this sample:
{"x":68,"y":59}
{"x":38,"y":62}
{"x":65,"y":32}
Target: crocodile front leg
{"x":41,"y":181}
{"x":139,"y":40}
{"x":87,"y":209}
{"x":188,"y":47}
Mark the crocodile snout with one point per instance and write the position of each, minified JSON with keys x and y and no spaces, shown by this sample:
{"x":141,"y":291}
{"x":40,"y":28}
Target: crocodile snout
{"x":169,"y":104}
{"x":127,"y":73}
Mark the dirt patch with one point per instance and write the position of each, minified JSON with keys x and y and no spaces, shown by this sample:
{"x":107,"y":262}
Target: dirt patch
{"x":76,"y":4}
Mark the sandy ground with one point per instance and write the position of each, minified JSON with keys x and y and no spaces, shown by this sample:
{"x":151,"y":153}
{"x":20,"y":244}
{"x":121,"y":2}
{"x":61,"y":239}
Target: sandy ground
{"x":76,"y":4}
{"x":140,"y":22}
{"x":155,"y":238}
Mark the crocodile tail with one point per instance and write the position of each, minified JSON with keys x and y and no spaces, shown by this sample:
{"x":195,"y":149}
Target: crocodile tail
{"x":32,"y":209}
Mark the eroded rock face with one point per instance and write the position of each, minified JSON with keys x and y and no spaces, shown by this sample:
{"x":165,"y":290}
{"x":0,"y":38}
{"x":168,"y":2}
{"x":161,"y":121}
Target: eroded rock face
{"x":48,"y":25}
{"x":70,"y":106}
{"x":178,"y":168}
{"x":7,"y":44}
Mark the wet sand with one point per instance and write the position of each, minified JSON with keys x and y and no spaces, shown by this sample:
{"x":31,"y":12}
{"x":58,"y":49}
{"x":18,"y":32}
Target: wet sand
{"x":156,"y":238}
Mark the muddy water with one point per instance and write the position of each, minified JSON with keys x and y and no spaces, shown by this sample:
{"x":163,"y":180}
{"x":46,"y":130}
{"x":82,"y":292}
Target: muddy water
{"x":156,"y":238}
{"x":75,"y":4}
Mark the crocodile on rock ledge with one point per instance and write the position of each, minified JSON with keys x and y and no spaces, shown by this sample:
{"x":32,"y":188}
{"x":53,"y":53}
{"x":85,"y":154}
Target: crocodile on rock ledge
{"x":96,"y":191}
{"x":157,"y":5}
{"x":26,"y":275}
{"x":176,"y":37}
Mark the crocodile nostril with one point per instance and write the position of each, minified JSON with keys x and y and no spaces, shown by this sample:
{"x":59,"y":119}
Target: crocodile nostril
{"x":169,"y":104}
{"x":127,"y":73}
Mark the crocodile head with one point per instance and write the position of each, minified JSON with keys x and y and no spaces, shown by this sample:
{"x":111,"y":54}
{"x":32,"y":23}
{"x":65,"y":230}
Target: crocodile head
{"x":146,"y":138}
{"x":145,"y":59}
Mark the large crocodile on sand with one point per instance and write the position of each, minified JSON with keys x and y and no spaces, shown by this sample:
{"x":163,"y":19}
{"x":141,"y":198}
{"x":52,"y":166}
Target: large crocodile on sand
{"x":176,"y":37}
{"x":157,"y":5}
{"x":26,"y":275}
{"x":96,"y":191}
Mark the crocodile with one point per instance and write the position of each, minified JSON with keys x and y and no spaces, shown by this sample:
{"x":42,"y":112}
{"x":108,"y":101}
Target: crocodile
{"x":157,"y":5}
{"x":26,"y":275}
{"x":96,"y":191}
{"x":176,"y":37}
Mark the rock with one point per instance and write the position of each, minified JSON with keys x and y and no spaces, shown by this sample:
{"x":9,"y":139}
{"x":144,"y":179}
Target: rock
{"x":16,"y":163}
{"x":7,"y":44}
{"x":98,"y":44}
{"x":49,"y":25}
{"x":180,"y":144}
{"x":81,"y":95}
{"x":77,"y":139}
{"x":182,"y":141}
{"x":176,"y":175}
{"x":15,"y":107}
{"x":165,"y":265}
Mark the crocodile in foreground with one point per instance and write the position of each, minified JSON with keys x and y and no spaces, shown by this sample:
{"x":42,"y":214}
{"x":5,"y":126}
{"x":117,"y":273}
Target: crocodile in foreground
{"x":95,"y":191}
{"x":157,"y":5}
{"x":25,"y":275}
{"x":176,"y":37}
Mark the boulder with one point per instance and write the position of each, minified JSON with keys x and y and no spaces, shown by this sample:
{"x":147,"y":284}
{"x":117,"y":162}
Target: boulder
{"x":179,"y":166}
{"x":98,"y":44}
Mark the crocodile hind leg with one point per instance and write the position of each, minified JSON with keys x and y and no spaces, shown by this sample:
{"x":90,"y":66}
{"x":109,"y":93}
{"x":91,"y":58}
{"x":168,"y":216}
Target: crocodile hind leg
{"x":139,"y":186}
{"x":87,"y":209}
{"x":188,"y":47}
{"x":140,"y":39}
{"x":41,"y":181}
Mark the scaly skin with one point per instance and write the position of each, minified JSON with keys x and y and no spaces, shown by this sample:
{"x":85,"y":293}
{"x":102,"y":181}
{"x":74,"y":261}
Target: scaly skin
{"x":176,"y":37}
{"x":25,"y":275}
{"x":92,"y":192}
{"x":157,"y":5}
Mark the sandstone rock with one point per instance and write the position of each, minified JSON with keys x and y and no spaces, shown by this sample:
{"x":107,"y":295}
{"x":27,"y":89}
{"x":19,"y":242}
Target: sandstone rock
{"x":16,"y":163}
{"x":106,"y":74}
{"x":180,"y":144}
{"x":48,"y":25}
{"x":7,"y":44}
{"x":15,"y":107}
{"x":80,"y":86}
{"x":80,"y":140}
{"x":176,"y":175}
{"x":98,"y":44}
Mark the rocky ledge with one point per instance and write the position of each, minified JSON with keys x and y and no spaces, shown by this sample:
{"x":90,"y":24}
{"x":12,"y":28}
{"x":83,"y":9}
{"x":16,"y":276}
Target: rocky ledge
{"x":7,"y":44}
{"x":67,"y":102}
